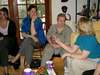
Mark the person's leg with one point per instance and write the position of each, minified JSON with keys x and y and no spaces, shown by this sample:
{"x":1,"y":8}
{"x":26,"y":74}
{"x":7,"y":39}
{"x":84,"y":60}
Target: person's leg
{"x":65,"y":60}
{"x":26,"y":49}
{"x":47,"y":54}
{"x":5,"y":70}
{"x":22,"y":61}
{"x":97,"y":71}
{"x":16,"y":58}
{"x":4,"y":54}
{"x":13,"y":60}
{"x":67,"y":66}
{"x":66,"y":63}
{"x":82,"y":65}
{"x":28,"y":55}
{"x":4,"y":61}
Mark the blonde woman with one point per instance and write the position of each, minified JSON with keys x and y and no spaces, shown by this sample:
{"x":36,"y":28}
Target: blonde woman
{"x":87,"y":56}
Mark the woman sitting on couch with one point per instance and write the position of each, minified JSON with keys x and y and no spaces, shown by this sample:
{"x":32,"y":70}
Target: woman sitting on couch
{"x":88,"y":55}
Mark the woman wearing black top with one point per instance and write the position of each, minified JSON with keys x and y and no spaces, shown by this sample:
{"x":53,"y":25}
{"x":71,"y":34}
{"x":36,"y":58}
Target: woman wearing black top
{"x":7,"y":38}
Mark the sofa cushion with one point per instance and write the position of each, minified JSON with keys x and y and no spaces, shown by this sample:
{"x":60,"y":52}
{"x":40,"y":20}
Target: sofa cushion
{"x":96,"y":25}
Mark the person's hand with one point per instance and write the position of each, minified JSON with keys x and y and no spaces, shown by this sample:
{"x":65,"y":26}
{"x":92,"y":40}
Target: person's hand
{"x":55,"y":45}
{"x":75,"y":48}
{"x":57,"y":40}
{"x":52,"y":39}
{"x":65,"y":55}
{"x":34,"y":38}
{"x":41,"y":70}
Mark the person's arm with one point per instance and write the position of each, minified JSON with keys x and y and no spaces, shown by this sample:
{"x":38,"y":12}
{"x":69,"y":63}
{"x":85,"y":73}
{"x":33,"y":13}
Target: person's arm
{"x":52,"y":42}
{"x":48,"y":38}
{"x":70,"y":49}
{"x":50,"y":34}
{"x":67,"y":35}
{"x":50,"y":31}
{"x":83,"y":55}
{"x":12,"y":29}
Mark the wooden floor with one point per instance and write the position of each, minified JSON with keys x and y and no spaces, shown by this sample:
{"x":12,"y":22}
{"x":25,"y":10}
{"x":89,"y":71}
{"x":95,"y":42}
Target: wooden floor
{"x":58,"y":66}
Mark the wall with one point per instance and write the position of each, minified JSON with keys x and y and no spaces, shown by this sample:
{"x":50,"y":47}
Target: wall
{"x":56,"y":9}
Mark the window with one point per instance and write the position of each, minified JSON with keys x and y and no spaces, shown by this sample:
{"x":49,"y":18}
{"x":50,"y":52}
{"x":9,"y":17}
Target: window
{"x":18,"y":10}
{"x":23,"y":5}
{"x":3,"y":3}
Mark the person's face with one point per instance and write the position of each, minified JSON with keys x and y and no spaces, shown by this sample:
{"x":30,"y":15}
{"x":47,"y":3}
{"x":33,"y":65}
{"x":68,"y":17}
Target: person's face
{"x":61,"y":21}
{"x":32,"y":12}
{"x":82,"y":27}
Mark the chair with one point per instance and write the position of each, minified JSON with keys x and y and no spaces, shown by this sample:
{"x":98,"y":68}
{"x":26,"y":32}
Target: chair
{"x":36,"y":57}
{"x":37,"y":53}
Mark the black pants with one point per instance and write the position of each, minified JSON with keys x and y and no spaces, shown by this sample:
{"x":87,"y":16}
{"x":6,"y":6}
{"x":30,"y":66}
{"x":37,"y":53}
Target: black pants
{"x":4,"y":52}
{"x":7,"y":46}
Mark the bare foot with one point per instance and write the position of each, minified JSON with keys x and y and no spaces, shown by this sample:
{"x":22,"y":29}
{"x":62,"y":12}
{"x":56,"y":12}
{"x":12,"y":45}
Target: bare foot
{"x":27,"y":66}
{"x":13,"y":60}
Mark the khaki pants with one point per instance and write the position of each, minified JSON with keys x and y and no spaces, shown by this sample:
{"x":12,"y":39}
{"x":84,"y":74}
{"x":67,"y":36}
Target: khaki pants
{"x":48,"y":53}
{"x":79,"y":66}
